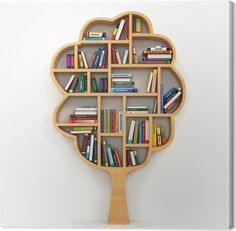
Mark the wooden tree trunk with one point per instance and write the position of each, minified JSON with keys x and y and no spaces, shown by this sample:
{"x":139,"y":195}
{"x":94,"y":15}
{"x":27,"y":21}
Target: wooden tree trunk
{"x":118,"y":213}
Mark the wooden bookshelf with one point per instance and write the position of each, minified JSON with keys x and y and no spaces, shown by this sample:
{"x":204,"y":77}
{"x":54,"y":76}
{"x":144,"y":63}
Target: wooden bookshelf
{"x":118,"y":213}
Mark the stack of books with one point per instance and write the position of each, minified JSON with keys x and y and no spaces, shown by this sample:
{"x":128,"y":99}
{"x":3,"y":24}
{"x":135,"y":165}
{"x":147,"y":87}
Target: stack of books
{"x":157,"y":54}
{"x":131,"y":157}
{"x":99,"y":58}
{"x":77,"y":84}
{"x":152,"y":82}
{"x":137,"y":109}
{"x":95,"y":36}
{"x":84,"y":115}
{"x":82,"y":130}
{"x":110,"y":156}
{"x":116,"y":58}
{"x":70,"y":60}
{"x":139,"y":132}
{"x":158,"y":135}
{"x":137,"y":25}
{"x":111,"y":121}
{"x":122,"y":82}
{"x":90,"y":147}
{"x":123,"y":25}
{"x":170,"y":99}
{"x":103,"y":85}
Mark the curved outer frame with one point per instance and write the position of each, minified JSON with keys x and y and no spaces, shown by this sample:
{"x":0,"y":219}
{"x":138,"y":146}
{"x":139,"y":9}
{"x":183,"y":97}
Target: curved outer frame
{"x":171,"y":67}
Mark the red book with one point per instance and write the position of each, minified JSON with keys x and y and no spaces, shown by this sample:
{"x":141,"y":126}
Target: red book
{"x":72,"y":60}
{"x":128,"y":158}
{"x":126,"y":29}
{"x":113,"y":57}
{"x":116,"y":121}
{"x":143,"y":132}
{"x":84,"y":144}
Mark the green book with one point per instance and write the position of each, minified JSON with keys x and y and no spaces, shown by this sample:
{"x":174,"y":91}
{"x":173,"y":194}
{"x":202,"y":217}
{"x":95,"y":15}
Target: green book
{"x":81,"y":83}
{"x":122,"y":83}
{"x":94,"y":85}
{"x":85,"y":128}
{"x":136,"y":157}
{"x":136,"y":132}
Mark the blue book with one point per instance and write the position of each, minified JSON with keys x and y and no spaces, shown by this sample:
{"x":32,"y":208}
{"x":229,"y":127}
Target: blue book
{"x":101,"y":85}
{"x":88,"y":150}
{"x":140,"y":134}
{"x":169,"y":94}
{"x":105,"y":57}
{"x":124,"y":89}
{"x":121,"y":75}
{"x":162,"y":97}
{"x":98,"y":56}
{"x":95,"y":150}
{"x":109,"y":153}
{"x":94,"y":38}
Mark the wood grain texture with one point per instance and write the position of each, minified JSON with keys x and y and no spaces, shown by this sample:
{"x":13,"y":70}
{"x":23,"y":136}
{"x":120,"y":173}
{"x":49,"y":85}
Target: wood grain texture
{"x":118,"y":212}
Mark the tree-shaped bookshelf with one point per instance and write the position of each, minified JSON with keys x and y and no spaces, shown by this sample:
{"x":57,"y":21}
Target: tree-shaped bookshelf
{"x":166,"y":75}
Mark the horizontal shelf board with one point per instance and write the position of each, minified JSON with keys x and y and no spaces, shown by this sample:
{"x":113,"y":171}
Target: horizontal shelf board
{"x":112,"y":94}
{"x":161,"y":115}
{"x":112,"y":134}
{"x":139,"y":65}
{"x":145,"y":35}
{"x":137,"y":145}
{"x":94,"y":42}
{"x":76,"y":124}
{"x":71,"y":70}
{"x":137,"y":115}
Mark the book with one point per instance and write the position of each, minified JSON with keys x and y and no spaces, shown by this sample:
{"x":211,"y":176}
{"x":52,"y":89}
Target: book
{"x":126,"y":29}
{"x":92,"y":59}
{"x":84,"y":59}
{"x":115,"y":31}
{"x":170,"y":103}
{"x":69,"y":82}
{"x":131,"y":132}
{"x":118,"y":56}
{"x":154,"y":81}
{"x":94,"y":38}
{"x":149,"y":82}
{"x":120,"y":28}
{"x":101,"y":59}
{"x":91,"y":147}
{"x":125,"y":57}
{"x":135,"y":58}
{"x":113,"y":55}
{"x":169,"y":94}
{"x":125,"y":75}
{"x":138,"y":25}
{"x":133,"y":161}
{"x":154,"y":109}
{"x":161,"y":97}
{"x":128,"y":89}
{"x":116,"y":153}
{"x":84,"y":144}
{"x":70,"y":60}
{"x":81,"y":63}
{"x":94,"y":84}
{"x":140,"y":130}
{"x":96,"y":34}
{"x":104,"y":153}
{"x":110,"y":157}
{"x":73,"y":85}
{"x":136,"y":130}
{"x":95,"y":151}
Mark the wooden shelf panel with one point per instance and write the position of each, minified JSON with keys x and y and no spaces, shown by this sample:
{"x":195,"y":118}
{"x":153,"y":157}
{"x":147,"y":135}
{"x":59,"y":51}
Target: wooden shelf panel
{"x":112,"y":94}
{"x":137,"y":145}
{"x":111,"y":134}
{"x":72,"y":70}
{"x":156,"y":65}
{"x":137,"y":115}
{"x":95,"y":42}
{"x":76,"y":124}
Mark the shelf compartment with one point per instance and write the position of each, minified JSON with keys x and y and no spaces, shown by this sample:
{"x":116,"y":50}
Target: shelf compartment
{"x":101,"y":80}
{"x":169,"y":80}
{"x":160,"y":131}
{"x":121,"y":48}
{"x":144,"y":27}
{"x":135,"y":155}
{"x":106,"y":26}
{"x":107,"y":158}
{"x":61,"y":61}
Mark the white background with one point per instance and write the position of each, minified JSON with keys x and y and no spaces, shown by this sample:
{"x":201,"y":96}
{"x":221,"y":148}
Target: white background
{"x":44,"y":184}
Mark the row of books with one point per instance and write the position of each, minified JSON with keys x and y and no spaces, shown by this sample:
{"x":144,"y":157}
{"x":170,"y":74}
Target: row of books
{"x":139,"y":132}
{"x":98,"y":59}
{"x":158,"y":135}
{"x":157,"y":54}
{"x":90,"y":147}
{"x":95,"y":36}
{"x":122,"y":82}
{"x":111,"y":121}
{"x":136,"y":25}
{"x":123,"y":25}
{"x":70,"y":61}
{"x":77,"y":83}
{"x":84,"y":115}
{"x":116,"y":57}
{"x":110,"y":156}
{"x":152,"y":82}
{"x":170,"y":99}
{"x":102,"y":87}
{"x":132,"y":157}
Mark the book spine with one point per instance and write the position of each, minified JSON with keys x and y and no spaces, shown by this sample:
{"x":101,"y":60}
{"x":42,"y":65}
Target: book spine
{"x":159,"y":142}
{"x":135,"y":58}
{"x":109,"y":153}
{"x":105,"y":153}
{"x":125,"y":58}
{"x":105,"y":84}
{"x":147,"y":128}
{"x":136,"y":132}
{"x":81,"y":64}
{"x":123,"y":89}
{"x":176,"y":96}
{"x":118,"y":56}
{"x":154,"y":81}
{"x":88,"y":149}
{"x":101,"y":59}
{"x":102,"y":120}
{"x":104,"y":62}
{"x":114,"y":158}
{"x":169,"y":95}
{"x":131,"y":132}
{"x":143,"y":132}
{"x":108,"y":121}
{"x":154,"y":143}
{"x":84,"y":60}
{"x":138,"y":25}
{"x":132,"y":158}
{"x":73,"y":85}
{"x":95,"y":156}
{"x":117,"y":157}
{"x":121,"y":26}
{"x":115,"y":31}
{"x":91,"y":147}
{"x":97,"y":58}
{"x":128,"y":158}
{"x":162,"y":92}
{"x":140,"y":132}
{"x":120,"y":121}
{"x":94,"y":38}
{"x":69,"y":82}
{"x":113,"y":57}
{"x":84,"y":144}
{"x":92,"y":59}
{"x":127,"y":30}
{"x":163,"y":135}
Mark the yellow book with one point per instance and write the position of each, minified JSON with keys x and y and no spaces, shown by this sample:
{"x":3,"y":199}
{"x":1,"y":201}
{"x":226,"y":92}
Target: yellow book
{"x":138,"y":25}
{"x":135,"y":58}
{"x":158,"y":129}
{"x":136,"y":132}
{"x":154,"y":137}
{"x":81,"y":64}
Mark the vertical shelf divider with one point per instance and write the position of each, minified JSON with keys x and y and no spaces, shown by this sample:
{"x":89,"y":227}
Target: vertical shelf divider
{"x":109,"y":67}
{"x":130,"y":39}
{"x":76,"y":50}
{"x":124,"y":131}
{"x":99,"y":129}
{"x":88,"y":81}
{"x":159,"y":90}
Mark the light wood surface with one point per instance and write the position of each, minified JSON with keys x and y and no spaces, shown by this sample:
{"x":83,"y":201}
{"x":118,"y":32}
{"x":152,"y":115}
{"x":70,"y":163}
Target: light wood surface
{"x":118,"y":212}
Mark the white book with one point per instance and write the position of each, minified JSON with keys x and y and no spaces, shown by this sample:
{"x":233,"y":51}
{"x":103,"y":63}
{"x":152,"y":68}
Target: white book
{"x":149,"y":82}
{"x":154,"y":82}
{"x":147,"y":126}
{"x":144,"y":107}
{"x":101,"y":59}
{"x":119,"y":31}
{"x":124,"y":61}
{"x":91,"y":148}
{"x":173,"y":99}
{"x":85,"y":112}
{"x":84,"y":59}
{"x":69,"y":82}
{"x":80,"y":132}
{"x":86,"y":109}
{"x":131,"y":131}
{"x":137,"y":112}
{"x":132,"y":157}
{"x":118,"y":56}
{"x":121,"y":79}
{"x":159,"y":56}
{"x":122,"y":75}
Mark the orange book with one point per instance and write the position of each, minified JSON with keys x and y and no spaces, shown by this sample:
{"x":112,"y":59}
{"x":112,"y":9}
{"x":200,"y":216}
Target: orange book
{"x":116,"y":121}
{"x":126,"y":30}
{"x":117,"y":157}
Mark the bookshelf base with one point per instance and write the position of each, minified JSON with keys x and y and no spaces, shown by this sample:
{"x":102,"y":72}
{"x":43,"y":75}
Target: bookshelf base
{"x":118,"y":213}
